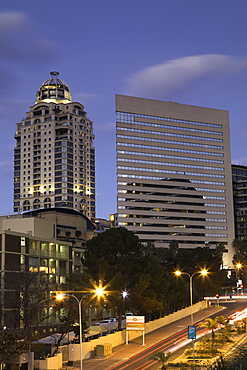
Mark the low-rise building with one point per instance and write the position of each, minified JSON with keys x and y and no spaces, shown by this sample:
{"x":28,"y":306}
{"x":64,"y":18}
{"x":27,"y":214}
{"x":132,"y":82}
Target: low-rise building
{"x":47,"y":244}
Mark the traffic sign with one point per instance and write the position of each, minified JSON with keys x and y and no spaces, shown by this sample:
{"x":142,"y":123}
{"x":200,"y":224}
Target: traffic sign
{"x":192,"y":332}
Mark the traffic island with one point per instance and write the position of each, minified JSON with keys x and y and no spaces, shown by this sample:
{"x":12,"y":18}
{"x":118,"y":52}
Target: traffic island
{"x":205,"y":358}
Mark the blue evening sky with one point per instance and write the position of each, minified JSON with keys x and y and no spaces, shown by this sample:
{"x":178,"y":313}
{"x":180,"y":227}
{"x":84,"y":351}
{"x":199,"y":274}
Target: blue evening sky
{"x":187,"y":51}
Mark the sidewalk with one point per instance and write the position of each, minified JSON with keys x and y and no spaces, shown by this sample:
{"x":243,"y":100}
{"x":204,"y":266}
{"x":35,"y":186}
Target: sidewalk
{"x":124,"y":351}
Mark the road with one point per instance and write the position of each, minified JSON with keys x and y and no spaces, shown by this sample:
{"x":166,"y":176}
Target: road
{"x":141,"y":361}
{"x":124,"y":357}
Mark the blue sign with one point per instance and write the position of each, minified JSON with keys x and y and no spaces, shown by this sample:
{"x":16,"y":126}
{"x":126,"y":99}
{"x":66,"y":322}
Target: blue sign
{"x":192,"y":332}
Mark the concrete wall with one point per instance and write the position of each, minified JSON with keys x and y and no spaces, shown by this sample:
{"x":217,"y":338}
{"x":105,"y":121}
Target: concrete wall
{"x":73,"y":350}
{"x":21,"y":225}
{"x":50,"y":363}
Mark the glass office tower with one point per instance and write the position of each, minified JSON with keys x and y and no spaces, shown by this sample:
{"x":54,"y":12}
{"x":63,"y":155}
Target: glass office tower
{"x":174,"y":173}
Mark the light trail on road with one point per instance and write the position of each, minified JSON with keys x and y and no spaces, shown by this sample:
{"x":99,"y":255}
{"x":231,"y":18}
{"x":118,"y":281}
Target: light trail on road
{"x":169,"y":344}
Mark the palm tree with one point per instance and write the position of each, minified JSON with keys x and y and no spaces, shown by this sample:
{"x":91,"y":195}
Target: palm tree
{"x":212,"y":324}
{"x":244,"y":324}
{"x":236,"y":361}
{"x":162,"y":357}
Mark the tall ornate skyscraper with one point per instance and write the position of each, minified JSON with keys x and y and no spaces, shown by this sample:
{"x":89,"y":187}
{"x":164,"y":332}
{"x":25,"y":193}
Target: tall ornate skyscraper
{"x":54,"y":156}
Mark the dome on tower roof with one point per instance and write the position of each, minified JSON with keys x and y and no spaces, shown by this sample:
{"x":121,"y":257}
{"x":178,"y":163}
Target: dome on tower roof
{"x":54,"y":90}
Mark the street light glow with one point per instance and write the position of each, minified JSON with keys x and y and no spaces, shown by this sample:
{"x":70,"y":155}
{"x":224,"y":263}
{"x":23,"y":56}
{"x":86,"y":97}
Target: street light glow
{"x":60,"y":297}
{"x":124,"y":294}
{"x":202,"y":272}
{"x":238,"y":265}
{"x":99,"y":292}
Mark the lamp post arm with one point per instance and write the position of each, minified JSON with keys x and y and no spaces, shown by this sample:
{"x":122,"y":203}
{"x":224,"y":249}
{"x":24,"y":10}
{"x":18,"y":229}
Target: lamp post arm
{"x":70,"y":293}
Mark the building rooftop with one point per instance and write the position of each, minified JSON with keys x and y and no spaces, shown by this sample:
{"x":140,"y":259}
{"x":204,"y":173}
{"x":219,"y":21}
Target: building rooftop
{"x":54,"y":90}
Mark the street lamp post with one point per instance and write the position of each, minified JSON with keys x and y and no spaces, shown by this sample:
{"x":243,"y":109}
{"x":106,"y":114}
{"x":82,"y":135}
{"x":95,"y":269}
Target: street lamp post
{"x":60,"y":295}
{"x":63,"y":295}
{"x":203,"y":272}
{"x":239,"y":266}
{"x":124,"y":295}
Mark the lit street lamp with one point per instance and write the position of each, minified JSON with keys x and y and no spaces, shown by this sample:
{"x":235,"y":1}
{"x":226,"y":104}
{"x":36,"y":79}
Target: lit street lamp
{"x":203,"y":272}
{"x":239,"y":266}
{"x":60,"y":295}
{"x":124,"y":295}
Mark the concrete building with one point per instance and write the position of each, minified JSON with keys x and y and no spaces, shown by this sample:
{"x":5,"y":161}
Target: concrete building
{"x":20,"y":253}
{"x":174,"y":173}
{"x":48,"y":244}
{"x":54,"y":224}
{"x":239,"y":182}
{"x":54,"y":156}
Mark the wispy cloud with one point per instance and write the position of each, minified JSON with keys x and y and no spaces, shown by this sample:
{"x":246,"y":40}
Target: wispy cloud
{"x":21,"y":45}
{"x":107,"y":128}
{"x":85,"y":96}
{"x":7,"y":104}
{"x":175,"y":75}
{"x":18,"y":41}
{"x":5,"y":164}
{"x":12,"y":21}
{"x":6,"y":169}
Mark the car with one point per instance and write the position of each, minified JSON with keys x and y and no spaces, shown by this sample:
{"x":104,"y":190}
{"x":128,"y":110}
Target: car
{"x":113,"y":319}
{"x":102,"y":322}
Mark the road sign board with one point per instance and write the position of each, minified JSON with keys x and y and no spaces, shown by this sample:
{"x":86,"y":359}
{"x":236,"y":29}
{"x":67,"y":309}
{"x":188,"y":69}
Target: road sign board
{"x":192,"y":332}
{"x":135,"y":322}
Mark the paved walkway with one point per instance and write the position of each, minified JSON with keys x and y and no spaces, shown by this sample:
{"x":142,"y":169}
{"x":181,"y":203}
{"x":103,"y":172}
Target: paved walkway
{"x":125,"y":351}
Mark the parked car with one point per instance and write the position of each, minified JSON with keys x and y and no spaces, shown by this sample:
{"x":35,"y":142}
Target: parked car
{"x":113,"y":319}
{"x":102,"y":322}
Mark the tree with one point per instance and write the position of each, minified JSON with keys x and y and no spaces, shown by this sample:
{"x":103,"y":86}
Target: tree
{"x":117,"y":257}
{"x":174,"y":248}
{"x":11,"y":345}
{"x":212,"y":324}
{"x":67,"y":233}
{"x":80,"y":283}
{"x":236,"y":361}
{"x":162,"y":357}
{"x":244,"y":324}
{"x":198,"y":259}
{"x":67,"y":319}
{"x":27,"y":303}
{"x":77,"y":234}
{"x":219,"y":250}
{"x":240,"y":255}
